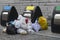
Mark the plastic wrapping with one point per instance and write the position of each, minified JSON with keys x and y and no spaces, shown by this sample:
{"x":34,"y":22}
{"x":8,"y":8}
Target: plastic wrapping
{"x":43,"y":22}
{"x":36,"y":26}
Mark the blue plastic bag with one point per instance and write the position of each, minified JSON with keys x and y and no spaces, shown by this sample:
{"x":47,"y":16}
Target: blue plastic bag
{"x":36,"y":26}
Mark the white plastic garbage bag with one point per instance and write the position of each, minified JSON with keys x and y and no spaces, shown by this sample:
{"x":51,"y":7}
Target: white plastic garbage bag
{"x":30,"y":31}
{"x":29,"y":27}
{"x":21,"y":31}
{"x":17,"y":23}
{"x":36,"y":26}
{"x":19,"y":17}
{"x":23,"y":23}
{"x":4,"y":30}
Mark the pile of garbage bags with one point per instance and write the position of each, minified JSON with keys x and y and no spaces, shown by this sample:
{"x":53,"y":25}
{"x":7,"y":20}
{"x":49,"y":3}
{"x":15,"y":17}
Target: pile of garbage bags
{"x":23,"y":25}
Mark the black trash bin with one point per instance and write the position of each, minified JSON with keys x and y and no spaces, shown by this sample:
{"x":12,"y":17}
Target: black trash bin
{"x":36,"y":13}
{"x":9,"y":13}
{"x":33,"y":12}
{"x":55,"y":21}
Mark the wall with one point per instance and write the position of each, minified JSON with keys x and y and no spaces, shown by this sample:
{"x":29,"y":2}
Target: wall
{"x":46,"y":6}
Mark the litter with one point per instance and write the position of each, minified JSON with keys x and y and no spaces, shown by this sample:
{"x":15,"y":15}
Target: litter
{"x":43,"y":22}
{"x":36,"y":26}
{"x":22,"y":31}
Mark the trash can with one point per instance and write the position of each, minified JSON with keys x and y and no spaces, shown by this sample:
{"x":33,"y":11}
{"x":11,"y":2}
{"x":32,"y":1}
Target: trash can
{"x":55,"y":21}
{"x":27,"y":14}
{"x":32,"y":12}
{"x":36,"y":13}
{"x":28,"y":10}
{"x":9,"y":13}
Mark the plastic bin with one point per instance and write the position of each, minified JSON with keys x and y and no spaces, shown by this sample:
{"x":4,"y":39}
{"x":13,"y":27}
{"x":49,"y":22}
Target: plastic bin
{"x":9,"y":13}
{"x":55,"y":21}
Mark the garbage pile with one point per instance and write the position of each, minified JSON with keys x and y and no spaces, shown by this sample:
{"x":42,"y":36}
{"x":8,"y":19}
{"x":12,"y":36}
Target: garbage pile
{"x":24,"y":25}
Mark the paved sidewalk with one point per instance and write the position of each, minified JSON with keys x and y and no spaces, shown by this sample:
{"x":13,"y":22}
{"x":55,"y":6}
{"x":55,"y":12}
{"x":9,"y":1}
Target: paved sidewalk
{"x":42,"y":35}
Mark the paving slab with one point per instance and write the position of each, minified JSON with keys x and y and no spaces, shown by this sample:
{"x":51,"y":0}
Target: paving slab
{"x":41,"y":35}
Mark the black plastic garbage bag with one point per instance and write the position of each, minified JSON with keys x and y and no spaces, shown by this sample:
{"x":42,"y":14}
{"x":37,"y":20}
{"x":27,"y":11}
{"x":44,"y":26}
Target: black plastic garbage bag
{"x":11,"y":29}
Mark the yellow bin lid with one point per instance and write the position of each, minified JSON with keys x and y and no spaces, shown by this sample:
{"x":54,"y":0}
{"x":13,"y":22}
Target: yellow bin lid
{"x":30,"y":8}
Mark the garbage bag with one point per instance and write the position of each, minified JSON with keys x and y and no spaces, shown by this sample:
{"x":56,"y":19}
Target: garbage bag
{"x":29,"y":27}
{"x":18,"y":22}
{"x":19,"y":17}
{"x":21,"y":22}
{"x":25,"y":23}
{"x":36,"y":26}
{"x":4,"y":30}
{"x":11,"y":29}
{"x":43,"y":22}
{"x":30,"y":31}
{"x":21,"y":31}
